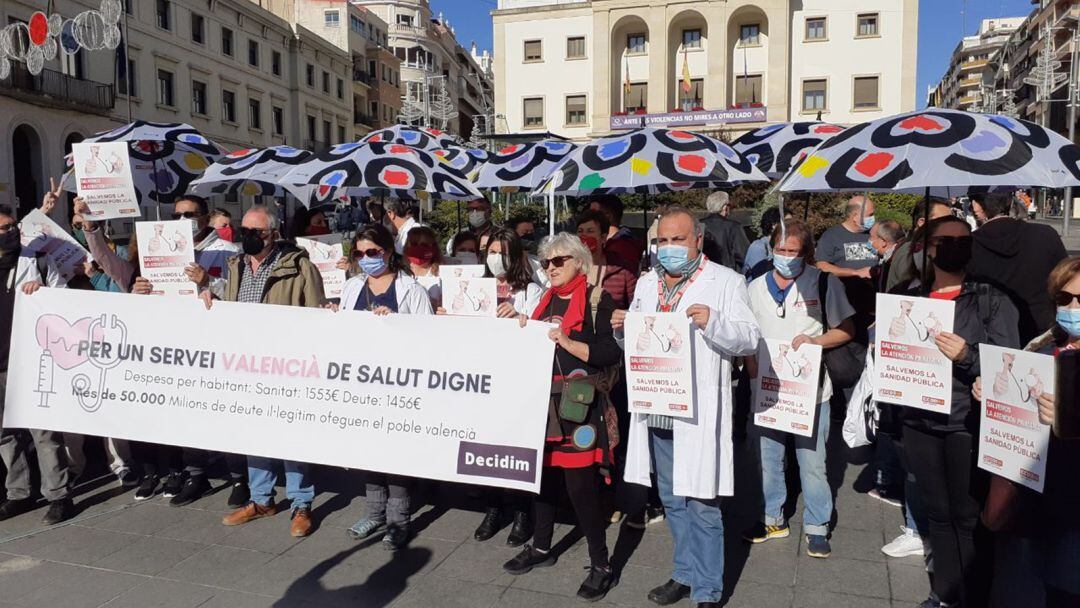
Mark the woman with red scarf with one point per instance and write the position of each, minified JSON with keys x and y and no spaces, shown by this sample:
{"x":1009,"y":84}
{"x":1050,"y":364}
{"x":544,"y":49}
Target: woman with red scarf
{"x":578,"y":450}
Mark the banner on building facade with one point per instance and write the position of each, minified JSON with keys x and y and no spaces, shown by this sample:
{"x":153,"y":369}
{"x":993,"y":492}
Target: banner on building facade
{"x":911,"y":370}
{"x":683,"y":119}
{"x":347,"y":389}
{"x":787,"y":387}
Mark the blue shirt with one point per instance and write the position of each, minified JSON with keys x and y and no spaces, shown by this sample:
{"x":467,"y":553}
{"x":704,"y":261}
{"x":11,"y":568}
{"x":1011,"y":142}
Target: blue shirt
{"x":757,"y":253}
{"x":370,"y":301}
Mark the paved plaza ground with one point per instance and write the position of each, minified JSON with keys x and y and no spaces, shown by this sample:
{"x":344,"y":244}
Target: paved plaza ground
{"x":119,"y":553}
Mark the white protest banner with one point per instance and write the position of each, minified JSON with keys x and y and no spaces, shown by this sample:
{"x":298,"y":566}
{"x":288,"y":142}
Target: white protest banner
{"x":165,"y":250}
{"x":42,"y":235}
{"x":1012,"y":441}
{"x":103,"y":179}
{"x":469,"y":297}
{"x":786,"y":387}
{"x":346,"y":389}
{"x":325,"y":256}
{"x":459,"y":271}
{"x":659,"y":366}
{"x":911,"y":370}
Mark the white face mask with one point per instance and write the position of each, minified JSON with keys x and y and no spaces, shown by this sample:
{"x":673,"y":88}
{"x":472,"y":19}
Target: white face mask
{"x":467,"y":257}
{"x":477,"y":218}
{"x":495,"y":264}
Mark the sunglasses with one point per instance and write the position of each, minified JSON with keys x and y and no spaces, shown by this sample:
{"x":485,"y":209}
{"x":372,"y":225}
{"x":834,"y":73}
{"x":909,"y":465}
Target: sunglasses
{"x":262,"y":234}
{"x":371,"y":253}
{"x":1064,"y":298}
{"x":187,"y":215}
{"x":556,"y":261}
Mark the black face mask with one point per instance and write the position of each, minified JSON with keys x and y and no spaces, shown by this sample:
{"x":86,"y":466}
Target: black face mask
{"x":953,"y":254}
{"x":252,"y":243}
{"x":10,"y":240}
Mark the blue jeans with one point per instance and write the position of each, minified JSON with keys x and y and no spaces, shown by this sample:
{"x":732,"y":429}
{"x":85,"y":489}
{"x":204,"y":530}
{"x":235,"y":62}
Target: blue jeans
{"x":262,"y":476}
{"x":810,"y":452}
{"x":697,"y":528}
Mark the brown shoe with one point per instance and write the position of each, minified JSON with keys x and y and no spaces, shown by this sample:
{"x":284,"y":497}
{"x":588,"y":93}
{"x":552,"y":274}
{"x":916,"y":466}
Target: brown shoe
{"x":301,"y":522}
{"x":249,"y":512}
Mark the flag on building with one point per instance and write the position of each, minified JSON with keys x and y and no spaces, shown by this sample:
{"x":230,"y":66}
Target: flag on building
{"x":626,"y":84}
{"x":687,"y":83}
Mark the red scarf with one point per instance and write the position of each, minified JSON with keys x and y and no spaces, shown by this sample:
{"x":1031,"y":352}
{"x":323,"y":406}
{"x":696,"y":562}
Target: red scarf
{"x":574,"y":319}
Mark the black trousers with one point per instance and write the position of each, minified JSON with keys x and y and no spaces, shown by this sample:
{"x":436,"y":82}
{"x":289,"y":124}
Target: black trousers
{"x":156,"y":460}
{"x":583,"y":487}
{"x":945,"y":472}
{"x":197,"y":461}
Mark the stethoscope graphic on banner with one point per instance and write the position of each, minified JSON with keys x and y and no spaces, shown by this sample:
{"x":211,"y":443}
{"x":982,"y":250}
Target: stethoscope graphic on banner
{"x":81,"y":382}
{"x":796,"y":369}
{"x":1023,"y":386}
{"x":665,"y":343}
{"x":924,"y":329}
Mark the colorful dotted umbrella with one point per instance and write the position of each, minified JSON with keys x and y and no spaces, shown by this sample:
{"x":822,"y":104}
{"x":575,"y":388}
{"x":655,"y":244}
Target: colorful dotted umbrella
{"x":648,"y":161}
{"x":775,"y":148}
{"x":379,"y":169}
{"x":417,"y":137}
{"x":945,"y":151}
{"x":466,"y":160}
{"x":521,"y":167}
{"x":254,"y":172}
{"x":165,"y":158}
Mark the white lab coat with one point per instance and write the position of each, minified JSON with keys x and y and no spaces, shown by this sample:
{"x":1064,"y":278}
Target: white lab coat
{"x":526,"y":300}
{"x":403,"y":233}
{"x":412,"y":298}
{"x":703,"y":463}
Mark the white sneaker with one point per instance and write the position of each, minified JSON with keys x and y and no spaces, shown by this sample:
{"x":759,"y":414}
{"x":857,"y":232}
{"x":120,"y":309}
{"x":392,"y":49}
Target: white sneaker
{"x":908,"y":543}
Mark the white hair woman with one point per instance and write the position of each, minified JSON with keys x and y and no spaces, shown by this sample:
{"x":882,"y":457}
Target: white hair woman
{"x":577,"y":451}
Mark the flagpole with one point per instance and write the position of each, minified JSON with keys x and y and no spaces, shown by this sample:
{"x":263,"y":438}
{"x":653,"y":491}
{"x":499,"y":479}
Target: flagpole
{"x":127,"y":62}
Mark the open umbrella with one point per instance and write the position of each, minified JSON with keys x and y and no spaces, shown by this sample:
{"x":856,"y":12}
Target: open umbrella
{"x":775,"y":148}
{"x":466,"y":160}
{"x":521,"y":167}
{"x":945,"y":151}
{"x":417,"y":137}
{"x":165,"y":158}
{"x":379,"y":169}
{"x":252,"y":171}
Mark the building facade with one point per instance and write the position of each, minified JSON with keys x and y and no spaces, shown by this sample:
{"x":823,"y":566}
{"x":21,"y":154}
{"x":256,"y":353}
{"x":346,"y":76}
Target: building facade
{"x":581,"y":68}
{"x":443,"y":84}
{"x":232,"y":69}
{"x":968,"y":83}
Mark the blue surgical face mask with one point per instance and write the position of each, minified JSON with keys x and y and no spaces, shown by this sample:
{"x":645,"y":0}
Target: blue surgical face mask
{"x":1069,"y":320}
{"x":373,"y":267}
{"x":789,"y":267}
{"x":673,"y":258}
{"x":868,"y":222}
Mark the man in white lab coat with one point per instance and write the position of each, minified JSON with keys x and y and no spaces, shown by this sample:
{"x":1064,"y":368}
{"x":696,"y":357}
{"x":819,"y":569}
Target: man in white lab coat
{"x":692,"y":457}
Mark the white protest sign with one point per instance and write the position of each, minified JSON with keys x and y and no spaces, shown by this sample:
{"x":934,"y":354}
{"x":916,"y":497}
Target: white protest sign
{"x":469,"y":297}
{"x":103,"y":179}
{"x":165,"y":250}
{"x":1012,"y":441}
{"x":42,"y":235}
{"x":346,"y":389}
{"x":786,"y":387}
{"x":910,"y":369}
{"x":659,"y":367}
{"x":325,"y":257}
{"x":462,"y":271}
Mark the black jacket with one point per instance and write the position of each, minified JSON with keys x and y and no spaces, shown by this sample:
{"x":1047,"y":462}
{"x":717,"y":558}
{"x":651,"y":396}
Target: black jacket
{"x":1017,"y":257}
{"x":984,"y":315}
{"x":725,"y":241}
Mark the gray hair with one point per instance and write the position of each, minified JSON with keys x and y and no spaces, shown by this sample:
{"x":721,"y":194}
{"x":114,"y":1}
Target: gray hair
{"x":890,"y":231}
{"x":674,"y":210}
{"x":564,"y":243}
{"x":396,"y":206}
{"x":717,"y":201}
{"x":271,"y":216}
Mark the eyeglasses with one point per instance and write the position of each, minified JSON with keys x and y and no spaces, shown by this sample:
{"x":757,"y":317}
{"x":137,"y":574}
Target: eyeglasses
{"x":1064,"y":298}
{"x":371,"y":253}
{"x":187,"y":215}
{"x":259,"y":232}
{"x":556,"y":261}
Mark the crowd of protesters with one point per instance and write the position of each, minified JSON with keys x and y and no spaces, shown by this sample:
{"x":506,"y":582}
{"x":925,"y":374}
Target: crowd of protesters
{"x":1011,"y":281}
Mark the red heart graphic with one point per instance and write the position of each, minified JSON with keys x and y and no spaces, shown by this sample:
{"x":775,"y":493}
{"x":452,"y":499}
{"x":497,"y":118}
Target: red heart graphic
{"x":874,"y":163}
{"x":692,"y":162}
{"x":922,"y":123}
{"x":396,"y":178}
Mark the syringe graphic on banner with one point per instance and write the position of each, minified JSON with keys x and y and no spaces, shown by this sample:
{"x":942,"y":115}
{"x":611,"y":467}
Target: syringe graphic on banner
{"x":45,"y":378}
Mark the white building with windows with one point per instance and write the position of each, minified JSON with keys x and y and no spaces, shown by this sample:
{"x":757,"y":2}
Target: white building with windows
{"x":581,"y":68}
{"x":232,"y":69}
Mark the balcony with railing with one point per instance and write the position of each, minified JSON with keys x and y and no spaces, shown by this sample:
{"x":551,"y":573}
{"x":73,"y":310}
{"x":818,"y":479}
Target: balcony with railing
{"x":362,"y":118}
{"x":404,"y":29}
{"x":60,"y":89}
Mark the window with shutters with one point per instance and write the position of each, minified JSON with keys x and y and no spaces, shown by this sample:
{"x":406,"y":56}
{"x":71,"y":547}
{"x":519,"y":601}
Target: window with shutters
{"x":278,"y":115}
{"x":750,"y":34}
{"x":228,"y":106}
{"x":866,"y":93}
{"x":636,"y":44}
{"x":868,"y":25}
{"x":198,"y":28}
{"x":253,"y":53}
{"x":255,"y":114}
{"x":696,"y":94}
{"x":165,"y":88}
{"x":198,"y":97}
{"x":534,"y":112}
{"x":534,"y":51}
{"x":747,"y":89}
{"x":575,"y":47}
{"x":814,"y":95}
{"x":576,"y":111}
{"x":691,"y":39}
{"x":816,"y":29}
{"x":227,"y":41}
